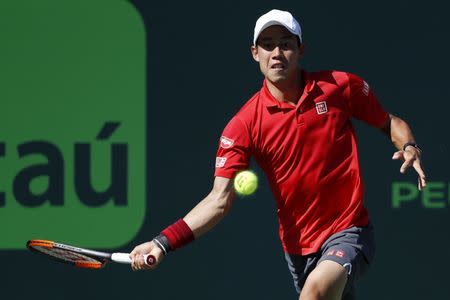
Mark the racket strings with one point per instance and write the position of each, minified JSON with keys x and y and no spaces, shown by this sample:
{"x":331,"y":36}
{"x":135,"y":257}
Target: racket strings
{"x":68,"y":256}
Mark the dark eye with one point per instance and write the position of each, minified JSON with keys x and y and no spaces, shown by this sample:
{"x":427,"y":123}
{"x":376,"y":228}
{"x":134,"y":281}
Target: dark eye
{"x":268,"y":45}
{"x":287,"y":45}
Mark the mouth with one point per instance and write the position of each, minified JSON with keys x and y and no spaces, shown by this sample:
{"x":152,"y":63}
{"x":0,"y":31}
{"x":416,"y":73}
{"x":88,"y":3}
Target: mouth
{"x":277,"y":66}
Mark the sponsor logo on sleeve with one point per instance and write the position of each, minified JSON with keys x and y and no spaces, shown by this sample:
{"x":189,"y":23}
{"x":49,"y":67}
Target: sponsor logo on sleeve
{"x":226,"y":142}
{"x":321,"y":107}
{"x":366,"y":88}
{"x":340,"y":253}
{"x":220,"y":162}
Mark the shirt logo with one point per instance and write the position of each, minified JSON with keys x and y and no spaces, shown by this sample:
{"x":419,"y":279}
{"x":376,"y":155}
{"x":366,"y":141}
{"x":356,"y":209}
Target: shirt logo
{"x":340,"y":253}
{"x":321,"y":107}
{"x":220,"y":162}
{"x":225,"y":142}
{"x":366,"y":88}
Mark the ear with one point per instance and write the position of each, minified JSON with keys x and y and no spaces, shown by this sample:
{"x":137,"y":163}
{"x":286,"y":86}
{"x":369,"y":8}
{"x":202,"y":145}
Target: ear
{"x":301,"y":50}
{"x":254,"y":50}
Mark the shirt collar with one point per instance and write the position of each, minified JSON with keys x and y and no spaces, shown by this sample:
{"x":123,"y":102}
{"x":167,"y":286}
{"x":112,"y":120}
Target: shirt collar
{"x":270,"y":101}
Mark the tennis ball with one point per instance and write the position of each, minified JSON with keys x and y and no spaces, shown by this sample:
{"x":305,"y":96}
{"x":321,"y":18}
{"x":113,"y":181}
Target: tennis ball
{"x":245,"y":183}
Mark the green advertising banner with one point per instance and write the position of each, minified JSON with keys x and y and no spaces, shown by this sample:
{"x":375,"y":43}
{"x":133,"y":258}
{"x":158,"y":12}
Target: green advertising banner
{"x":72,"y":144}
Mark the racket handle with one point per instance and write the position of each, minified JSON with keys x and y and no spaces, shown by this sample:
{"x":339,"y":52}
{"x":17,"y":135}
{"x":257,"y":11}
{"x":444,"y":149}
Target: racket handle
{"x":149,"y":259}
{"x":123,"y":258}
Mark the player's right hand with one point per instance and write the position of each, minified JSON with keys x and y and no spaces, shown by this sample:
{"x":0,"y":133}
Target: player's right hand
{"x":137,"y":256}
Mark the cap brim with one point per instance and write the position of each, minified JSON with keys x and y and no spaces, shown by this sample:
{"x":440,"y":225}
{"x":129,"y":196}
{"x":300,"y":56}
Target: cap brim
{"x":272,"y":23}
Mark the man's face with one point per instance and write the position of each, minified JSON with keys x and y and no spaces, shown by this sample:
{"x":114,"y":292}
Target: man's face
{"x":278,"y":53}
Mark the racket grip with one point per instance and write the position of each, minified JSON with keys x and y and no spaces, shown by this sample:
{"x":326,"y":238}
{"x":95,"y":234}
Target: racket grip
{"x":149,"y":259}
{"x":123,"y":258}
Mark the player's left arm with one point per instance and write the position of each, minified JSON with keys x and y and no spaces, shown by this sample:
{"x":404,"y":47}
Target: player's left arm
{"x":364,"y":105}
{"x":403,"y":139}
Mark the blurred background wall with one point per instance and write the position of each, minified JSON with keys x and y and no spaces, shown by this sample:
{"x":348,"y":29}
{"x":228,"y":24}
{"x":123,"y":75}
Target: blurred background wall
{"x":172,"y":73}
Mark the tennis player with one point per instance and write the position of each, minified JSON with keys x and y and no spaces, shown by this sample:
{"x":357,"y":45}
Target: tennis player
{"x":298,"y":129}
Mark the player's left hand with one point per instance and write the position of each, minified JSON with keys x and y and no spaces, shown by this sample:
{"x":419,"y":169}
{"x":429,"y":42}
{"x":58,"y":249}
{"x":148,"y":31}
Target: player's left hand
{"x":137,"y":256}
{"x":411,"y":157}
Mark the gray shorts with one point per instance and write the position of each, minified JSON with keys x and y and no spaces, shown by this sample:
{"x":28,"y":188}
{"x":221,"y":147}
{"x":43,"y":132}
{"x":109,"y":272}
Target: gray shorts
{"x":353,"y":248}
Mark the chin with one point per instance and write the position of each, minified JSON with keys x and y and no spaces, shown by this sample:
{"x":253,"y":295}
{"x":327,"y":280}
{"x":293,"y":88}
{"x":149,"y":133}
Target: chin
{"x":277,"y":76}
{"x":277,"y":79}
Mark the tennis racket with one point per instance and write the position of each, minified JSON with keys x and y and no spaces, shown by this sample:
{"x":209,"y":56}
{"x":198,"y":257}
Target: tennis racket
{"x":79,"y":257}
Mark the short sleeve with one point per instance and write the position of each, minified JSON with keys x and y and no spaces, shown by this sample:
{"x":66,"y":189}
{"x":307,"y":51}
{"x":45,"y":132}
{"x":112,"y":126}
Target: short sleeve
{"x":363,"y":103}
{"x":233,"y":153}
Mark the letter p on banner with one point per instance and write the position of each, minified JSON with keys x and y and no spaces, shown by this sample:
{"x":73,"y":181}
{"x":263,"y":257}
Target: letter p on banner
{"x":403,"y":192}
{"x":73,"y":122}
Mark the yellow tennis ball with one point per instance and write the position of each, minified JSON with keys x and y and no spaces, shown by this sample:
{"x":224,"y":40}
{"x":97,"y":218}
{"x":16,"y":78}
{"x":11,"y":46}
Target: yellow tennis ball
{"x":245,"y":183}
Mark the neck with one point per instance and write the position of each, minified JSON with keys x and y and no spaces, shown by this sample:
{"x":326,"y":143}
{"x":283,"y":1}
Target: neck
{"x":288,"y":90}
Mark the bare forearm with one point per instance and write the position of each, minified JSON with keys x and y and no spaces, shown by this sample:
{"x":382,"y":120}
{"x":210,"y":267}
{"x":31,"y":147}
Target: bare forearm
{"x":399,"y":132}
{"x":198,"y":221}
{"x":205,"y":215}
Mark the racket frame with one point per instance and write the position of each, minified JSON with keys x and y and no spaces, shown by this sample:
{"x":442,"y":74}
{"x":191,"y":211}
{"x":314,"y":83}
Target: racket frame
{"x":99,"y":256}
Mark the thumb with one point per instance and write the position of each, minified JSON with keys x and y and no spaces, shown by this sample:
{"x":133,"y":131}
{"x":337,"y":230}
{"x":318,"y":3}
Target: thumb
{"x":398,"y":155}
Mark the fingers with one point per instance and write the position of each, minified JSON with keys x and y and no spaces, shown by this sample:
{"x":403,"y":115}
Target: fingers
{"x":412,"y":159}
{"x":134,"y":255}
{"x":421,"y":181}
{"x":137,"y":256}
{"x":405,"y":166}
{"x":139,"y":263}
{"x":407,"y":157}
{"x":133,"y":258}
{"x":420,"y":184}
{"x":398,"y":155}
{"x":418,"y":167}
{"x":142,"y":251}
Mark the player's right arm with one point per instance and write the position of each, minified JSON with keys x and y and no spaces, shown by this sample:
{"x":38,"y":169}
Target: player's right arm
{"x":233,"y":155}
{"x":206,"y":214}
{"x":202,"y":218}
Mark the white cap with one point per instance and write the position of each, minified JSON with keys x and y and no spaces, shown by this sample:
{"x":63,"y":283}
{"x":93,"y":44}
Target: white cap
{"x":277,"y":17}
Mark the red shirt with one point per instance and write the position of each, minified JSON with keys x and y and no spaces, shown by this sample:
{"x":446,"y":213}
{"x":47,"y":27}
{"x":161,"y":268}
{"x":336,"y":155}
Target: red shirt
{"x":308,"y":153}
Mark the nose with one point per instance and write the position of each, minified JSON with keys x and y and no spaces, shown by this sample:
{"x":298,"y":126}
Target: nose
{"x":277,"y":52}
